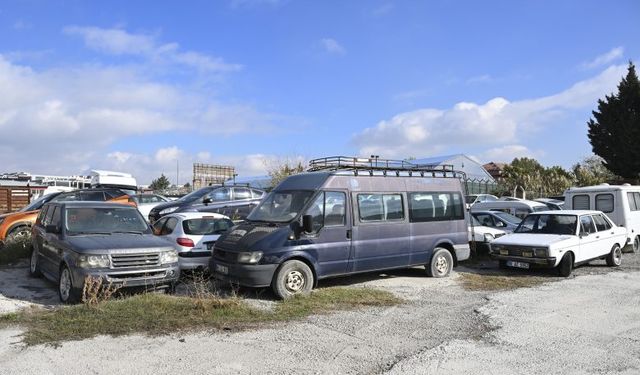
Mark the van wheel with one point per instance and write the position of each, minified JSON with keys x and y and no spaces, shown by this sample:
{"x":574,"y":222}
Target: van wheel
{"x":66,"y":291}
{"x":34,"y":267}
{"x":636,"y":244}
{"x":441,"y":263}
{"x":293,"y":277}
{"x":615,"y":256}
{"x":566,"y":265}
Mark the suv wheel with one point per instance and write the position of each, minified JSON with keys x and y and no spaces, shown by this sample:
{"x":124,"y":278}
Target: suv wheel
{"x":34,"y":267}
{"x":615,"y":256}
{"x":293,"y":277}
{"x":66,"y":291}
{"x":441,"y":263}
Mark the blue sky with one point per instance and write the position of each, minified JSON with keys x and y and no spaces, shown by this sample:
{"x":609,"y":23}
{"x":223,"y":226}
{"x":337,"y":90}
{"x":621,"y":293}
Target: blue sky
{"x":135,"y":86}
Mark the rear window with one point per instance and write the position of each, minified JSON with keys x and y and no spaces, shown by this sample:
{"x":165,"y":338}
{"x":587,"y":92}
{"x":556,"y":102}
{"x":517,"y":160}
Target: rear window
{"x":581,"y":202}
{"x":604,"y":202}
{"x":206,"y":226}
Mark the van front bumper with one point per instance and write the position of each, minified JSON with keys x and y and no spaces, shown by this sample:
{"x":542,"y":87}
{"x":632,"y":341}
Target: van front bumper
{"x":251,"y":275}
{"x":463,"y":252}
{"x":152,"y":277}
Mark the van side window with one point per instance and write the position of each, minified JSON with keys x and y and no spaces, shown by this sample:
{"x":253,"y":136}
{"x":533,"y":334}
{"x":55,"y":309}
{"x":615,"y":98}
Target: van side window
{"x":378,"y":207}
{"x":601,"y":223}
{"x":334,"y":208}
{"x":604,"y":202}
{"x":316,"y":210}
{"x":587,"y":224}
{"x":581,"y":202}
{"x":633,"y":203}
{"x":435,"y":207}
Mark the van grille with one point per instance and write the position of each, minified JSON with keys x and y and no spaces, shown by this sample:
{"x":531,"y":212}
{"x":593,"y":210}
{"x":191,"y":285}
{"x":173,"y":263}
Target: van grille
{"x":135,"y":260}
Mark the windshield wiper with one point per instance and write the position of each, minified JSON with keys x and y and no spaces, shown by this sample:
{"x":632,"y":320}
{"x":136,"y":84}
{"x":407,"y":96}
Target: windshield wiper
{"x":128,"y":231}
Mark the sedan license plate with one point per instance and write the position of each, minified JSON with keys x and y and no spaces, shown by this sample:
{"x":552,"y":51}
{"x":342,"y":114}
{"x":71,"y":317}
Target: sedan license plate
{"x":222,"y":269}
{"x":511,"y":263}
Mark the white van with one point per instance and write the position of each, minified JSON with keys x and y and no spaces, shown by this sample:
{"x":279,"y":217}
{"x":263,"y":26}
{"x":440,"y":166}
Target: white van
{"x":519,"y":208}
{"x":124,"y":181}
{"x":621,"y":203}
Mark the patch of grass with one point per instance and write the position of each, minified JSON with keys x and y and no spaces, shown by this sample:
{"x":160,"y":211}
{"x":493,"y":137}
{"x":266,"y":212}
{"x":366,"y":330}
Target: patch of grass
{"x":15,"y":250}
{"x":477,"y":282}
{"x":158,"y":314}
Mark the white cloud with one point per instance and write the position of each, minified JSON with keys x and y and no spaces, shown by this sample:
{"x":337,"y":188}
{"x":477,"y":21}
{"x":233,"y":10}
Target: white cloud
{"x":120,"y":42}
{"x":497,"y":122}
{"x":332,"y":46}
{"x":604,"y":59}
{"x":505,"y":154}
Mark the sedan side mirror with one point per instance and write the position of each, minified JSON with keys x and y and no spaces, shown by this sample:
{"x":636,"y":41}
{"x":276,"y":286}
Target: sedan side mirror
{"x":206,"y":200}
{"x":52,"y":228}
{"x":583,"y":233}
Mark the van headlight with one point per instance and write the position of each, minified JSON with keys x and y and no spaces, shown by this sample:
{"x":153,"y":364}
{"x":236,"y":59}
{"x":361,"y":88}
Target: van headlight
{"x":93,"y":261}
{"x":168,"y":257}
{"x":250,"y":257}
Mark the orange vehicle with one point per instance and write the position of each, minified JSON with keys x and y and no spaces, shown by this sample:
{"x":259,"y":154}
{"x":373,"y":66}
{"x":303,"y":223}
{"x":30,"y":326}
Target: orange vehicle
{"x":18,"y":224}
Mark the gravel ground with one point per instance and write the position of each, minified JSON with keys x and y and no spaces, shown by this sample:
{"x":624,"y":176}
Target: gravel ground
{"x":589,"y":323}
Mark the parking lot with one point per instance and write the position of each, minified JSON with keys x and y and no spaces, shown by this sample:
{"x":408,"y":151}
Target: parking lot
{"x":589,"y":322}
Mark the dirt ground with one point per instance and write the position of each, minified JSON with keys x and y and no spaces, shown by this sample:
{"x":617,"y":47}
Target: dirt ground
{"x":588,"y":323}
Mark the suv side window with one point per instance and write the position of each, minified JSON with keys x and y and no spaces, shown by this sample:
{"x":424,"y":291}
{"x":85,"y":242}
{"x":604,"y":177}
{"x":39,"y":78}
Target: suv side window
{"x":41,"y":215}
{"x":57,"y":216}
{"x":49,"y":215}
{"x":241,"y":193}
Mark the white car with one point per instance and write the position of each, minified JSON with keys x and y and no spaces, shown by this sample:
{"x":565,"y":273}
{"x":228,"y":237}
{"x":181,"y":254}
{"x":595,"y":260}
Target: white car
{"x":561,"y":239}
{"x":482,"y":234}
{"x":146,"y":202}
{"x":193,"y":234}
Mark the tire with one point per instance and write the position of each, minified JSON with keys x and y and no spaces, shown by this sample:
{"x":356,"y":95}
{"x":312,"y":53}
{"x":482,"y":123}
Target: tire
{"x":441,"y":263}
{"x":566,"y":265}
{"x":17,"y":233}
{"x":502,"y":264}
{"x":615,"y":256}
{"x":293,"y":277}
{"x":635,"y":247}
{"x":34,"y":266}
{"x":66,"y":291}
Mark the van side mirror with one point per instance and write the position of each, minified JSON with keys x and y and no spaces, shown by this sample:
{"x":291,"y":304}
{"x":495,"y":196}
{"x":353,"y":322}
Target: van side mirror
{"x":206,"y":200}
{"x":52,"y":228}
{"x":307,"y":223}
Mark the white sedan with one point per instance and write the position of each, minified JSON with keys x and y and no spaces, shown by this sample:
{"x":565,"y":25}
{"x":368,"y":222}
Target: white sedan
{"x":483,"y":234}
{"x":193,"y":234}
{"x":561,"y":239}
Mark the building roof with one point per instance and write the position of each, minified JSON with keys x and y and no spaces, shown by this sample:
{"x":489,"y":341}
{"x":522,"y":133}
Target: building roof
{"x":14,"y":183}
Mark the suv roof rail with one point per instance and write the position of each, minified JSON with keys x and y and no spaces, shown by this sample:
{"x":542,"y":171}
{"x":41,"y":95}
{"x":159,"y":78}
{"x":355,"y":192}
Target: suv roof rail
{"x":372,"y":164}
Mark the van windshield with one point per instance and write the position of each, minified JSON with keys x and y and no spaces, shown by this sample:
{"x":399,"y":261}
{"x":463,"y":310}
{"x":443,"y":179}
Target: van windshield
{"x":281,"y":206}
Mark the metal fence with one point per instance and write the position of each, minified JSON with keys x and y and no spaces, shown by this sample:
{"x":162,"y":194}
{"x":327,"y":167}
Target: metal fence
{"x":483,"y":186}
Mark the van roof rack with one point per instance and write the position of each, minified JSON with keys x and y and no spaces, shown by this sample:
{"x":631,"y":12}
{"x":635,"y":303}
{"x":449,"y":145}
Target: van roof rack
{"x":375,"y":164}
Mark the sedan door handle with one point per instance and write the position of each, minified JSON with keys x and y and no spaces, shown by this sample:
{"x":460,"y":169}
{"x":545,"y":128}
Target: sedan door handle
{"x":597,"y":236}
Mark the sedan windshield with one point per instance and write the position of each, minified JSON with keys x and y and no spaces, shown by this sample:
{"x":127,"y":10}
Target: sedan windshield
{"x":280,"y":206}
{"x":103,"y":220}
{"x":548,"y":224}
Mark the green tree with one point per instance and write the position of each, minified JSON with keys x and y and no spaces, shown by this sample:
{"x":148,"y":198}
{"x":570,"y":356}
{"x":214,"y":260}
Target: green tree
{"x":525,"y":173}
{"x":160,"y":183}
{"x":555,"y":181}
{"x":280,"y":169}
{"x":591,"y":171}
{"x":615,"y":132}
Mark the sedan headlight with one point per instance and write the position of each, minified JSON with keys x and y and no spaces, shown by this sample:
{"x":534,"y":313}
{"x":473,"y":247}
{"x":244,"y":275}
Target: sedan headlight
{"x":496,"y":248}
{"x":168,"y":210}
{"x":488,"y":237}
{"x":250,"y":258}
{"x":168,"y":257}
{"x":540,"y":252}
{"x":93,"y":261}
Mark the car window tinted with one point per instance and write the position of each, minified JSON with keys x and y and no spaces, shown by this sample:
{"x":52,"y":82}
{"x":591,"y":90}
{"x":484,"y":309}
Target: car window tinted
{"x":241,"y":193}
{"x":206,"y":226}
{"x":604,"y":202}
{"x":601,"y":223}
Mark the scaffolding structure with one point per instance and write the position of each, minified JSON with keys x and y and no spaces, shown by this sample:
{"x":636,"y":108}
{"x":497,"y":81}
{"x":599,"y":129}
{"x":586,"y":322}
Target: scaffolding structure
{"x":211,"y":174}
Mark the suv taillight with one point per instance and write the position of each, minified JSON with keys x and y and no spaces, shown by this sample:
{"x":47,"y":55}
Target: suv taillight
{"x":186,"y":242}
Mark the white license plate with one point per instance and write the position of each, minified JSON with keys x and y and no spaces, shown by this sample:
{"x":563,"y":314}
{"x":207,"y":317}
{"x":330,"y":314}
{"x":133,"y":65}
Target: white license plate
{"x":511,"y":263}
{"x":222,"y":269}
